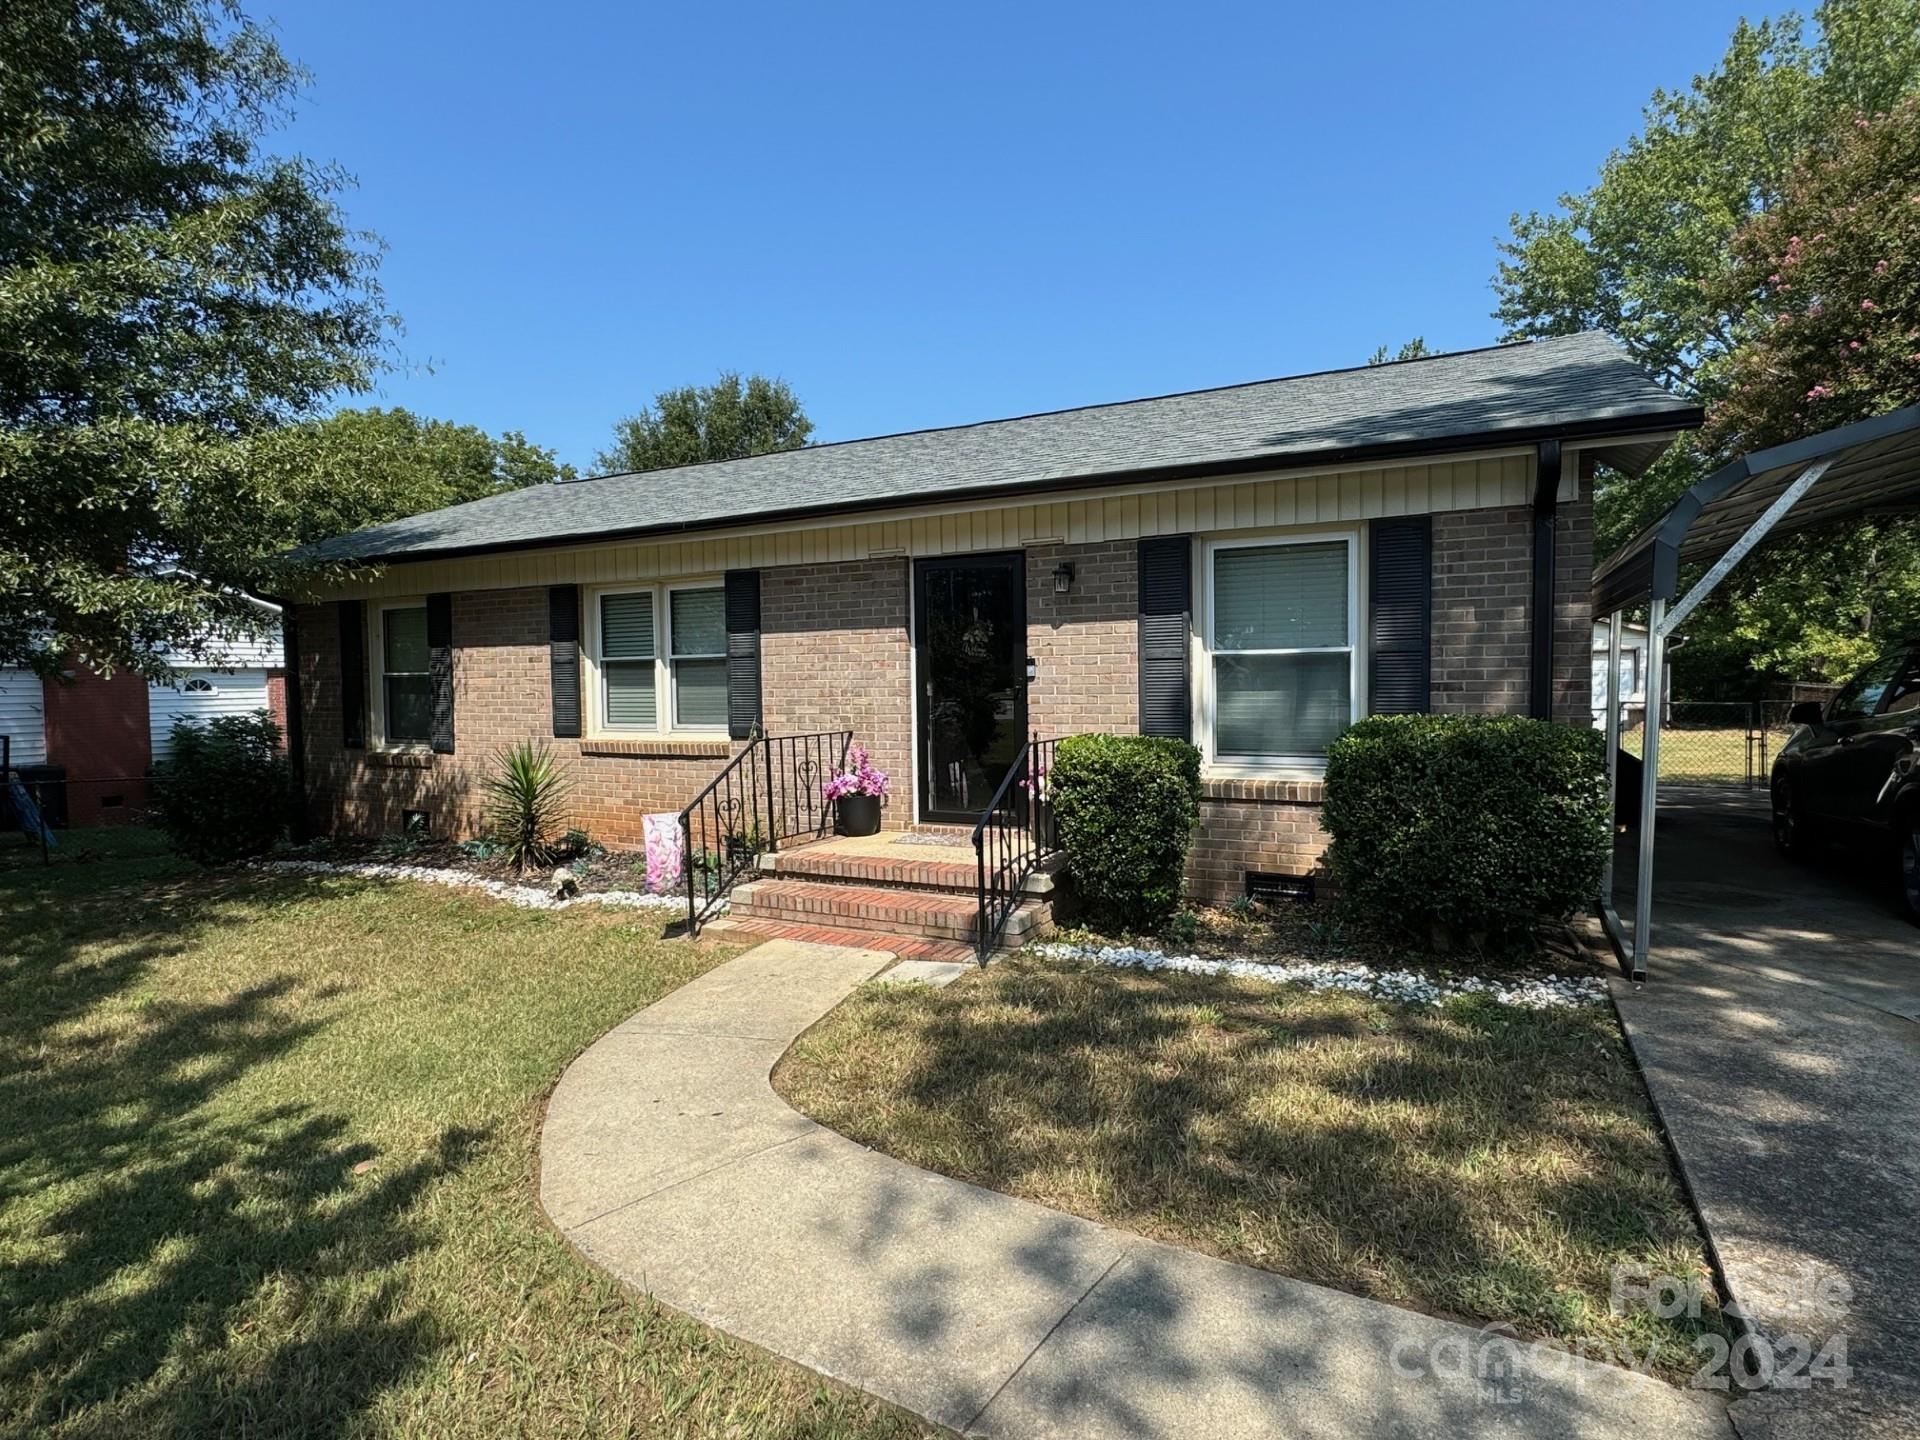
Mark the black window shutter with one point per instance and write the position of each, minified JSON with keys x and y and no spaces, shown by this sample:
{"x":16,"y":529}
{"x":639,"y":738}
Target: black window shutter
{"x":1400,"y":616}
{"x":743,"y":653}
{"x":440,"y":670}
{"x":563,"y":658}
{"x":353,"y":674}
{"x":1166,"y":603}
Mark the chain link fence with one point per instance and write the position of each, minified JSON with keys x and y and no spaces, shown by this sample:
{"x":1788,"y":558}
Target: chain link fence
{"x":57,"y":818}
{"x":1713,"y":742}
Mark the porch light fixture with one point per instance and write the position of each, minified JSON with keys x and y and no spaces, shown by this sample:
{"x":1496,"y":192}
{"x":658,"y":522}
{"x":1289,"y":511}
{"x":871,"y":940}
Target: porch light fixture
{"x":1063,"y":577}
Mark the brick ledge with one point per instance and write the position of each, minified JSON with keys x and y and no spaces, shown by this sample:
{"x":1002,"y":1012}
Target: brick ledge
{"x":665,"y":749}
{"x":1272,"y":792}
{"x":400,"y":759}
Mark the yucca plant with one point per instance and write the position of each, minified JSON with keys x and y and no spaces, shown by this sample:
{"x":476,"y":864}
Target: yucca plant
{"x":526,"y":802}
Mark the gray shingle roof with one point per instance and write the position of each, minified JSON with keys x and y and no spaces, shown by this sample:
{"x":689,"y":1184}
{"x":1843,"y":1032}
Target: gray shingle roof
{"x":1578,"y":384}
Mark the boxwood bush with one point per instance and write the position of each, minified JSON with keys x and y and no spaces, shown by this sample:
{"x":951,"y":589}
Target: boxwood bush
{"x":1466,"y":831}
{"x":224,"y":792}
{"x":1124,"y":808}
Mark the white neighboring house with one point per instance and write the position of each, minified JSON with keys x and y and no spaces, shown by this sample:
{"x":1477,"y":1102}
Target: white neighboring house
{"x":231,"y":679}
{"x":1633,"y":675}
{"x":23,"y":716}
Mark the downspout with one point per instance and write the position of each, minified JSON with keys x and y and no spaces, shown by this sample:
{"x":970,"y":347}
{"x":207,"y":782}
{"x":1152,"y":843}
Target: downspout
{"x":1546,"y":506}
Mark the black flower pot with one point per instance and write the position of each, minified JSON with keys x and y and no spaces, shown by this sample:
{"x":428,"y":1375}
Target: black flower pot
{"x":857,"y":814}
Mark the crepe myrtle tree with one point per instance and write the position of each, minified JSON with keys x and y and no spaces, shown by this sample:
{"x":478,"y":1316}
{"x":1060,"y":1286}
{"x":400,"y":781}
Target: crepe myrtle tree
{"x":170,"y":294}
{"x":1830,"y":278}
{"x":1830,"y":281}
{"x":1643,"y":253}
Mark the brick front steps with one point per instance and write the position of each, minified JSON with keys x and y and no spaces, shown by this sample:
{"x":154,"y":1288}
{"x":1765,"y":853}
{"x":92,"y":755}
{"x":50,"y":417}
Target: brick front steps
{"x":936,"y":914}
{"x":876,"y":885}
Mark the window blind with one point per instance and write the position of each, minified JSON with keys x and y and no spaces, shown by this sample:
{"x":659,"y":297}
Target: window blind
{"x":1280,"y":597}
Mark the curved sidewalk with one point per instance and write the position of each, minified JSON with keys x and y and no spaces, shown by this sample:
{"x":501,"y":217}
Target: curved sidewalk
{"x":668,"y":1160}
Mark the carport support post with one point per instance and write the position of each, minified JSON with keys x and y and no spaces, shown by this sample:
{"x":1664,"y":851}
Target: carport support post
{"x":1649,"y":785}
{"x":1612,"y":701}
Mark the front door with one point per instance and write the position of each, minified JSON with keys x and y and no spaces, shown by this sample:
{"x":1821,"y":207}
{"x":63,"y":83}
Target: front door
{"x":970,"y":646}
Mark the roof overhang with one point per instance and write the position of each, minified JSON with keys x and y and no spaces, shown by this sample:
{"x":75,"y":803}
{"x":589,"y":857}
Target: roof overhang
{"x":1629,"y":443}
{"x":1871,"y":467}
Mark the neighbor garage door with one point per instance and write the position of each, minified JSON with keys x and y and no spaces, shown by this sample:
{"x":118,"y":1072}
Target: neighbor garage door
{"x":201,"y":695}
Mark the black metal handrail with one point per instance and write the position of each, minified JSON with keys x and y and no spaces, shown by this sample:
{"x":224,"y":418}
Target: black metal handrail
{"x":1014,"y":834}
{"x":768,"y":793}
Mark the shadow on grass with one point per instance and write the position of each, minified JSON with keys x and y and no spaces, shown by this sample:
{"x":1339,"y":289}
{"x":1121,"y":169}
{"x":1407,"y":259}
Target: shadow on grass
{"x":1473,"y":1162}
{"x":177,"y":1261}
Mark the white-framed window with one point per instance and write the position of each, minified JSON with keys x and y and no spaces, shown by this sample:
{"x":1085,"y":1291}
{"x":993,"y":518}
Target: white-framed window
{"x":1281,"y":662}
{"x":629,"y":660}
{"x":658,"y":655}
{"x":199,"y":685}
{"x":403,"y":684}
{"x":697,"y":655}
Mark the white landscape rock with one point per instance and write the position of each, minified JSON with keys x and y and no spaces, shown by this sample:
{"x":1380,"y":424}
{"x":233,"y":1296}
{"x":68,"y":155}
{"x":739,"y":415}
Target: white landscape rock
{"x":527,"y":897}
{"x":1406,"y":986}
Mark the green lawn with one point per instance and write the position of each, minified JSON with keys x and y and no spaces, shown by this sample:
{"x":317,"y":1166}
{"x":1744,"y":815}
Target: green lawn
{"x":267,"y":1167}
{"x":1707,"y":757}
{"x":1477,"y":1161}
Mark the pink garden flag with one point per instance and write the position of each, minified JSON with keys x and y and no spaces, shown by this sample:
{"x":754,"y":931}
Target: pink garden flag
{"x":664,"y":856}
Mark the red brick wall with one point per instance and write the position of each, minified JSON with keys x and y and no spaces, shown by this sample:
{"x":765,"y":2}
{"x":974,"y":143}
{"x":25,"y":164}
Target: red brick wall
{"x":97,"y":730}
{"x":1482,"y":611}
{"x":1271,"y":826}
{"x":1085,"y":643}
{"x":1573,"y":614}
{"x":1482,"y":580}
{"x":501,"y":695}
{"x":834,"y":654}
{"x":277,"y":702}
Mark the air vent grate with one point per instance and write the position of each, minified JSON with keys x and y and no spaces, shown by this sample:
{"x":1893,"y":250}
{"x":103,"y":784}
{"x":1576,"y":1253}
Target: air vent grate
{"x":1273,"y":889}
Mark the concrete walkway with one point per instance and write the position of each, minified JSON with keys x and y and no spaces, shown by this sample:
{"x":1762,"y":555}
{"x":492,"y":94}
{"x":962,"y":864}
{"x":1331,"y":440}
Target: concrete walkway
{"x":1778,"y":1038}
{"x":668,"y":1160}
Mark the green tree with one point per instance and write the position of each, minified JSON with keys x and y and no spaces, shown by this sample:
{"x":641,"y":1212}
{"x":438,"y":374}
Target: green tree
{"x":168,"y":294}
{"x":1829,"y":279}
{"x":726,"y":420}
{"x":1644,"y":253}
{"x":1414,"y":349}
{"x":361,"y":467}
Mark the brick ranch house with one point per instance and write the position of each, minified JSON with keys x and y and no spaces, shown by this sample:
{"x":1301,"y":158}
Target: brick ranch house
{"x":1251,"y":567}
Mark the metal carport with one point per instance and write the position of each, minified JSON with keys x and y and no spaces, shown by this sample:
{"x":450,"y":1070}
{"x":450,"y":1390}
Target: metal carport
{"x":1848,"y":473}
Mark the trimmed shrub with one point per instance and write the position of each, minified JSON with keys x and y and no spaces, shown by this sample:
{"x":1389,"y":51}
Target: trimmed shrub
{"x":1460,"y":830}
{"x":224,"y":792}
{"x":1124,"y":807}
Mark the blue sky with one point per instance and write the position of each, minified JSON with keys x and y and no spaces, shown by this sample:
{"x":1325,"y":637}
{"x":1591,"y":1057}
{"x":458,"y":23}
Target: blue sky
{"x":931,"y":215}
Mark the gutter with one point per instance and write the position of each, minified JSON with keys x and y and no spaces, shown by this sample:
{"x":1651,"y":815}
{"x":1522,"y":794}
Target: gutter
{"x":1546,"y":511}
{"x":1685,"y":418}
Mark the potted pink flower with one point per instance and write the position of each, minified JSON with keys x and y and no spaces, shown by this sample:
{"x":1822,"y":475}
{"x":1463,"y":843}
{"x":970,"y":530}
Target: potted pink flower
{"x":856,"y":793}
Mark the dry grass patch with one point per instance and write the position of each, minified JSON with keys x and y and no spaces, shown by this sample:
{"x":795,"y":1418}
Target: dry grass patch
{"x":267,"y":1167}
{"x":1476,"y":1161}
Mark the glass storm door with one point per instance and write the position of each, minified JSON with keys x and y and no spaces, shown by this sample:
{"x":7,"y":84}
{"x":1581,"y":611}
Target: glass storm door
{"x":970,"y":642}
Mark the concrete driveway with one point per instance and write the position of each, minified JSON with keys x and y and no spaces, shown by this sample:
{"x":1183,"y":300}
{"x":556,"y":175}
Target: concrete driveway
{"x":1780,"y":1036}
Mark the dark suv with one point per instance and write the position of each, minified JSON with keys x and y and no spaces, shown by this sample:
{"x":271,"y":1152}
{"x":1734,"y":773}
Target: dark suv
{"x":1852,"y":773}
